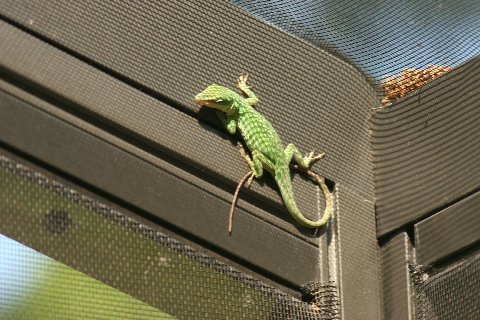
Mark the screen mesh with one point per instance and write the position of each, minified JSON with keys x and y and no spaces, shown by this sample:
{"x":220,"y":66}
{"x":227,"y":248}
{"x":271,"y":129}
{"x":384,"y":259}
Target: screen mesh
{"x":380,"y":37}
{"x":105,"y":244}
{"x":399,"y":45}
{"x":34,"y":286}
{"x":453,"y":293}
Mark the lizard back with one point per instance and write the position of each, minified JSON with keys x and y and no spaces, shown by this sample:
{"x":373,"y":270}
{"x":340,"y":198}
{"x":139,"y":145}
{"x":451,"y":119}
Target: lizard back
{"x":259,"y":134}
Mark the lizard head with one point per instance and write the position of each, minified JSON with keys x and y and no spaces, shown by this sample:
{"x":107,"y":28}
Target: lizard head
{"x":218,"y":97}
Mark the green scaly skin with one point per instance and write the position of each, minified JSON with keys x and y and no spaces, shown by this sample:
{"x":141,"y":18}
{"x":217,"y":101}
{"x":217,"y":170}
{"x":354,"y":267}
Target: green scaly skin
{"x":237,"y":112}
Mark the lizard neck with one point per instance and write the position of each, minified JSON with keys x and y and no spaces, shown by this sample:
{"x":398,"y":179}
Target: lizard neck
{"x":245,"y":108}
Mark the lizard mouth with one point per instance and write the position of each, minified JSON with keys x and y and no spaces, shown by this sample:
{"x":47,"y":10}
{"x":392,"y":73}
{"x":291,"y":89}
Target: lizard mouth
{"x":200,"y":100}
{"x":203,"y":101}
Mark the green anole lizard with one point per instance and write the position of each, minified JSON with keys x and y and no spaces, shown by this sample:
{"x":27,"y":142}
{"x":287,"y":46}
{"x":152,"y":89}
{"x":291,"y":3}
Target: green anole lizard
{"x":237,"y":112}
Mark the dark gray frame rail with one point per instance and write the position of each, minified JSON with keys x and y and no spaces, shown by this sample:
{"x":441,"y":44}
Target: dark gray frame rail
{"x":426,"y":156}
{"x":425,"y":148}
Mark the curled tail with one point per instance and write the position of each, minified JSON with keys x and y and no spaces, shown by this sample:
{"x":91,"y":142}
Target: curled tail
{"x":282,"y":177}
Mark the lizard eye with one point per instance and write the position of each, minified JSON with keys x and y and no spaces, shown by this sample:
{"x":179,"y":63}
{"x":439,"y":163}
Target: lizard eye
{"x":219,"y":101}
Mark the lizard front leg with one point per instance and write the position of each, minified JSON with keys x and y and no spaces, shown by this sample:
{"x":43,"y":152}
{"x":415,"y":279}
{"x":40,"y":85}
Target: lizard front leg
{"x":228,"y":122}
{"x":291,"y":151}
{"x":247,"y":90}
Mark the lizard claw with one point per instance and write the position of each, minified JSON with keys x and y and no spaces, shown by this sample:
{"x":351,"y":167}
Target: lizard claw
{"x":312,"y":158}
{"x":242,"y":81}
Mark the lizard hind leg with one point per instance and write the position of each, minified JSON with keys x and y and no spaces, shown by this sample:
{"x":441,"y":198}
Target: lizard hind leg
{"x":255,"y":167}
{"x":291,"y":151}
{"x":256,"y":163}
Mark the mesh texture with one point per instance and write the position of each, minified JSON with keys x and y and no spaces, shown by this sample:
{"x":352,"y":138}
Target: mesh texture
{"x":453,"y":293}
{"x":68,"y":226}
{"x":380,"y":37}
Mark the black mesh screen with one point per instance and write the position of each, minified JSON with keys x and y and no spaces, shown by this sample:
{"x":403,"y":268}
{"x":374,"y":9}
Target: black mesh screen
{"x":399,"y":45}
{"x":124,"y":255}
{"x":380,"y":37}
{"x":34,"y":286}
{"x":453,"y":293}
